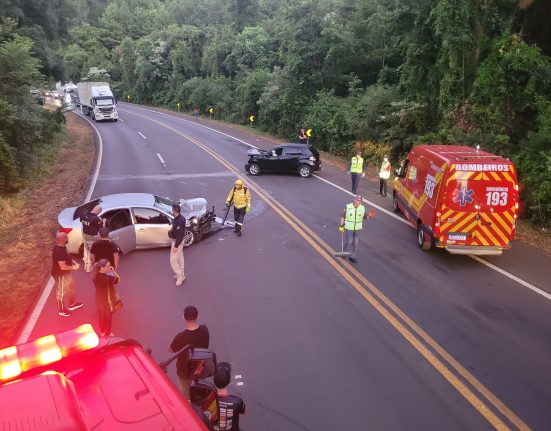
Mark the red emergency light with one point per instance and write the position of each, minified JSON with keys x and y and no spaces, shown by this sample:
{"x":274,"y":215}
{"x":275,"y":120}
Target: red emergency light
{"x":15,"y":360}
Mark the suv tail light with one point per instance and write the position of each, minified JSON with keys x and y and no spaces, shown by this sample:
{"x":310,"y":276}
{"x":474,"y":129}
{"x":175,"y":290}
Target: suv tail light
{"x":312,"y":159}
{"x":66,"y":230}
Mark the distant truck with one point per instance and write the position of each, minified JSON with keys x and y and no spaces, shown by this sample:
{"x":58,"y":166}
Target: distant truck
{"x":458,"y":198}
{"x":97,"y":101}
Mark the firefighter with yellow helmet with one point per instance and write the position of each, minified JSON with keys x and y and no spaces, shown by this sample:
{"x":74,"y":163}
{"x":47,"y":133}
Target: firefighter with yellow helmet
{"x":241,"y":198}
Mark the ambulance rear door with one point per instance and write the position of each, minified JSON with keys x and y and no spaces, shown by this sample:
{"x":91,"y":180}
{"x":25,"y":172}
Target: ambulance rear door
{"x":479,"y":205}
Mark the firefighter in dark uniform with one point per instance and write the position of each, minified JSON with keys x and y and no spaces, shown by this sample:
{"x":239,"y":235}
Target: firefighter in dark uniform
{"x":241,"y":198}
{"x":90,"y":228}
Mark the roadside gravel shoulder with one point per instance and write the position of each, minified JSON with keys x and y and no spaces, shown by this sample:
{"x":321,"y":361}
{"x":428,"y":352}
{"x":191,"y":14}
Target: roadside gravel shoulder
{"x":29,"y":223}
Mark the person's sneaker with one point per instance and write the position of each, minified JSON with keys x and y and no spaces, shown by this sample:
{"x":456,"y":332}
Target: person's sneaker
{"x":353,"y":260}
{"x":238,"y":233}
{"x":76,"y":306}
{"x":64,"y":313}
{"x":179,"y":281}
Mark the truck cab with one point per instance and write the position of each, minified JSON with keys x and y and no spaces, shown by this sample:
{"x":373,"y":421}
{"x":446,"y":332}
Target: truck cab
{"x":97,"y":101}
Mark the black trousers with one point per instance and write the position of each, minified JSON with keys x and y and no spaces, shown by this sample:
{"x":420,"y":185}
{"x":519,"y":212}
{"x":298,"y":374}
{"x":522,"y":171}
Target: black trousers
{"x":239,"y":216}
{"x":355,"y":181}
{"x":104,"y":315}
{"x":382,"y":186}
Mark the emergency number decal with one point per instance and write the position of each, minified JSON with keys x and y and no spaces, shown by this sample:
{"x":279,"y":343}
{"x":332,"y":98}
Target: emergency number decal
{"x":430,"y":183}
{"x":497,"y":196}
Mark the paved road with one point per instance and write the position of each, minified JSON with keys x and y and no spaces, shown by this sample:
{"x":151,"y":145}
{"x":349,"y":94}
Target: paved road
{"x":402,"y":340}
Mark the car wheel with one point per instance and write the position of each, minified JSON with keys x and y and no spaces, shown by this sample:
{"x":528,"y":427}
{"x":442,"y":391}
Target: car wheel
{"x":395,"y":206}
{"x":189,"y":238}
{"x":423,"y":239}
{"x":304,"y":171}
{"x":254,"y":169}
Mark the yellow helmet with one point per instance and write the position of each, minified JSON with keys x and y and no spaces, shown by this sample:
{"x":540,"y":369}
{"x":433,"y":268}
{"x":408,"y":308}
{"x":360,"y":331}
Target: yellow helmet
{"x":239,"y":182}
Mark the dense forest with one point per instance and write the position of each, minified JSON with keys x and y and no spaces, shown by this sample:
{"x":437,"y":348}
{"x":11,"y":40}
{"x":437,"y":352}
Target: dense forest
{"x":378,"y":74}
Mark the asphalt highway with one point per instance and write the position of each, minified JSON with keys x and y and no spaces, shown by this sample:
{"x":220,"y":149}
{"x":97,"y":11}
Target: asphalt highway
{"x":404,"y":339}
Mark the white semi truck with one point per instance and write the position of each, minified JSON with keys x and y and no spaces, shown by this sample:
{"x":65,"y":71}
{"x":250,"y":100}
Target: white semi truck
{"x":97,"y":101}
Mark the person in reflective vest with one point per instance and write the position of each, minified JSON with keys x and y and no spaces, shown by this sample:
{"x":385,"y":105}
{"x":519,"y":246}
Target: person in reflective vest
{"x":356,"y":169}
{"x":352,"y":224}
{"x":241,"y":199}
{"x":384,"y":175}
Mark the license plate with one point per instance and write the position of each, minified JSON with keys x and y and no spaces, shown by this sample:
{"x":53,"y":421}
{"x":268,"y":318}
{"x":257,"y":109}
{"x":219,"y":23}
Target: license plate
{"x":457,"y":236}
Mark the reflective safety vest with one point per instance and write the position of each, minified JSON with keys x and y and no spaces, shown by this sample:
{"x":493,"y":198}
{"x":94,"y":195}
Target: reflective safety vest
{"x":353,"y":217}
{"x":384,"y":173}
{"x":356,"y":165}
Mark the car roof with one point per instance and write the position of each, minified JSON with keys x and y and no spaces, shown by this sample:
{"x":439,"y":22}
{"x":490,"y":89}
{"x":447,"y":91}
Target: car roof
{"x":458,"y":153}
{"x":127,"y":199}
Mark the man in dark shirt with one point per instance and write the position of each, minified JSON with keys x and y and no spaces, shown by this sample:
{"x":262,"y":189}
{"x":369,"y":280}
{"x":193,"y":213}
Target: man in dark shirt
{"x":90,"y":227}
{"x":194,"y":334}
{"x":62,"y":265}
{"x":229,"y":406}
{"x":177,"y":234}
{"x":103,"y":248}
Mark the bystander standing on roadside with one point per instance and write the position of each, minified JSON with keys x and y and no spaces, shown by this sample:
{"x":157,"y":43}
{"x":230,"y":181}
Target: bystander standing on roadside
{"x":104,"y":248}
{"x":229,"y":406}
{"x":302,"y":137}
{"x":62,"y":265}
{"x":194,"y":334}
{"x":384,"y":175}
{"x":105,"y":278}
{"x":90,"y":227}
{"x":355,"y":169}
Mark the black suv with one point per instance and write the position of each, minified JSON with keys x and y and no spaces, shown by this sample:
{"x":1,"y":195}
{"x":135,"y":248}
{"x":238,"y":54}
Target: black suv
{"x":297,"y":158}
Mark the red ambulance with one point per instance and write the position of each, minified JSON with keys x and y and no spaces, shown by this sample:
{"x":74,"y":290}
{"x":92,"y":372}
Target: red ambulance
{"x":458,"y":198}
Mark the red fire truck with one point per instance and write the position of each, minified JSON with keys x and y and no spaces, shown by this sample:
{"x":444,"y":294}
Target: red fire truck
{"x":458,"y":198}
{"x":76,"y":381}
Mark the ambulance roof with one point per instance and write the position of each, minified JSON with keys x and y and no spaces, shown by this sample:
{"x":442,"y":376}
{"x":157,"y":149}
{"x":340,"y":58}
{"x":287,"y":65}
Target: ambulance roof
{"x":458,"y":154}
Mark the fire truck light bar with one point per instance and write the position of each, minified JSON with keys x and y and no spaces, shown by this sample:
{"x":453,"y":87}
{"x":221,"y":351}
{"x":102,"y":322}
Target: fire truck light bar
{"x":15,"y":360}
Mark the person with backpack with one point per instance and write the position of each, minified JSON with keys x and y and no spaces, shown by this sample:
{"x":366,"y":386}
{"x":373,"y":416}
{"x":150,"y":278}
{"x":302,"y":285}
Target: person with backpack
{"x":241,"y":198}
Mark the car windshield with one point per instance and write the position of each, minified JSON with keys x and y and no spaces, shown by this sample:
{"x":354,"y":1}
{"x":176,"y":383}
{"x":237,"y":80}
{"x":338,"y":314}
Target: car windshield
{"x":104,"y":102}
{"x":163,"y":204}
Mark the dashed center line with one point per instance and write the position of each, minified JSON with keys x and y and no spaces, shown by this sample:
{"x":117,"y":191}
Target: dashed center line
{"x":142,"y":135}
{"x":160,"y":158}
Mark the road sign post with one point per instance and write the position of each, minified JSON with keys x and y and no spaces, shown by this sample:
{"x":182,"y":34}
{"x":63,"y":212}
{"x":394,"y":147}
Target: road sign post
{"x":251,"y":120}
{"x":211,"y":111}
{"x":308,"y":133}
{"x":178,"y":106}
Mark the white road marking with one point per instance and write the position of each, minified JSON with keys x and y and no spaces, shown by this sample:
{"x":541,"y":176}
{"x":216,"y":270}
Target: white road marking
{"x":396,"y":217}
{"x":120,"y":119}
{"x":142,"y":135}
{"x":161,"y":159}
{"x":373,"y":204}
{"x":165,"y":177}
{"x":512,"y":277}
{"x":39,"y":306}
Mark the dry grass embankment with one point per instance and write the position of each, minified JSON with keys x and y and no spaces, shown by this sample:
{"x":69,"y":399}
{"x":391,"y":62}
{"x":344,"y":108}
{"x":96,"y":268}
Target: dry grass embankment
{"x":28,"y":222}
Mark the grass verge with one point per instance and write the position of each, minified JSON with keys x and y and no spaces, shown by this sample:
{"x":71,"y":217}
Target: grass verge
{"x":28,"y":222}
